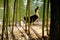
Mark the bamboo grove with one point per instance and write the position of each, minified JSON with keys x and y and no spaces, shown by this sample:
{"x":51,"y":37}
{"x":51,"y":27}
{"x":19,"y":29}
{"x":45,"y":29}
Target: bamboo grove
{"x":17,"y":11}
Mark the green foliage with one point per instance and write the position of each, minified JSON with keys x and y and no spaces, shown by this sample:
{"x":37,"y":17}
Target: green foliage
{"x":22,"y":8}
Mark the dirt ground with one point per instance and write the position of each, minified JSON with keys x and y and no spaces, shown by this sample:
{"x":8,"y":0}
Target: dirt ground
{"x":20,"y":34}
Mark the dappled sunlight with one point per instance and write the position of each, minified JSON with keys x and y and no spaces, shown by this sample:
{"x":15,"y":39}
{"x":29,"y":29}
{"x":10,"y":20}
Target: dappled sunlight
{"x":24,"y":20}
{"x":20,"y":34}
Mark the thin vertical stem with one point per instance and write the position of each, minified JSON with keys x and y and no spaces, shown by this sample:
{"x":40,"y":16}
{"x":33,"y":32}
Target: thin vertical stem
{"x":47,"y":15}
{"x":20,"y":11}
{"x":9,"y":13}
{"x":7,"y":19}
{"x":43,"y":19}
{"x":28,"y":7}
{"x":16,"y":12}
{"x":28,"y":16}
{"x":13,"y":19}
{"x":3,"y":27}
{"x":26,"y":21}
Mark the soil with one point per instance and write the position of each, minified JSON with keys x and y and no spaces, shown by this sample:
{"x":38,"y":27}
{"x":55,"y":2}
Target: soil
{"x":19,"y":32}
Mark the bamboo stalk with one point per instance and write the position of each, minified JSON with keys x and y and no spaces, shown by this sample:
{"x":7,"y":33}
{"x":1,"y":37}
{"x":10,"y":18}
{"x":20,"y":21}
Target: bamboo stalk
{"x":26,"y":21}
{"x":43,"y":23}
{"x":9,"y":13}
{"x":27,"y":29}
{"x":13,"y":19}
{"x":16,"y":6}
{"x":7,"y":20}
{"x":20,"y":12}
{"x":47,"y":15}
{"x":28,"y":7}
{"x":3,"y":26}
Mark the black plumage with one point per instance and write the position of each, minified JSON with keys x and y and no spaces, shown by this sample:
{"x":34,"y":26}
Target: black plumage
{"x":32,"y":18}
{"x":36,"y":9}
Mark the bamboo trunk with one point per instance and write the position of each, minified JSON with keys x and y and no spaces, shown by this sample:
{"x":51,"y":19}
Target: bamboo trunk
{"x":43,"y":23}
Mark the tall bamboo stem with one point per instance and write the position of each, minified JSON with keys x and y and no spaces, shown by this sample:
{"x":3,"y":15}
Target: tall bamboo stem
{"x":4,"y":16}
{"x":7,"y":19}
{"x":47,"y":15}
{"x":43,"y":23}
{"x":13,"y":19}
{"x":28,"y":7}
